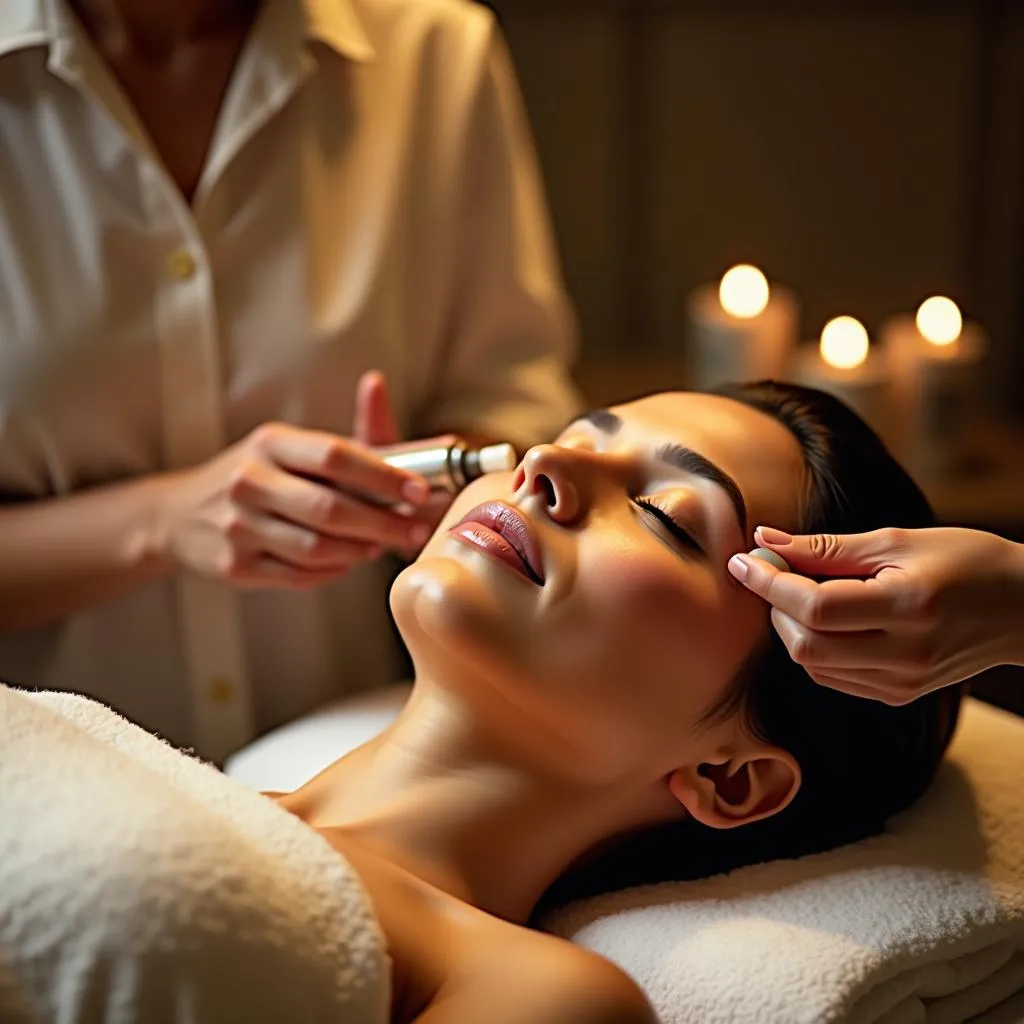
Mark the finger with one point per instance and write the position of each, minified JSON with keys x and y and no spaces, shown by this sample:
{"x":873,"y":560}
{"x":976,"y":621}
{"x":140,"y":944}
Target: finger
{"x":865,"y":649}
{"x":309,"y":504}
{"x":374,"y":420}
{"x":344,"y":463}
{"x":433,"y":511}
{"x":890,"y":660}
{"x":306,"y":549}
{"x":832,"y":605}
{"x":830,"y":554}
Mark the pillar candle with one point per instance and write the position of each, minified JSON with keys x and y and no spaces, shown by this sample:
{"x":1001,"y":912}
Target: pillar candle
{"x":740,"y":329}
{"x":936,"y":359}
{"x":845,"y":364}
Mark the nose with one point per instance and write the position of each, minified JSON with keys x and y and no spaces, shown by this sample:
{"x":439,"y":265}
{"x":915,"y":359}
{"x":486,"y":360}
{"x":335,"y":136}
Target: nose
{"x":559,"y":476}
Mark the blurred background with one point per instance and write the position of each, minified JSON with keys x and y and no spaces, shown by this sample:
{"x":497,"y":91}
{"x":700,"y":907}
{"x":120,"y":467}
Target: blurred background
{"x":864,"y":154}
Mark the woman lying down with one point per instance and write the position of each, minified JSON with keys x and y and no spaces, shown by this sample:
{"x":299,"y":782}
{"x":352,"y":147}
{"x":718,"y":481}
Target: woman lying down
{"x":597,"y":703}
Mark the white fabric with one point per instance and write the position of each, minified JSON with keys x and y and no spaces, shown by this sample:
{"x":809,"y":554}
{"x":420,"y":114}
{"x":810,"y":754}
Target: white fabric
{"x":370,"y":200}
{"x":291,"y":755}
{"x":922,"y":925}
{"x":140,"y":886}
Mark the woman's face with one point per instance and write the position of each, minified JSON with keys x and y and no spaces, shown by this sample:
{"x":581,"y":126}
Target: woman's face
{"x":621,"y":626}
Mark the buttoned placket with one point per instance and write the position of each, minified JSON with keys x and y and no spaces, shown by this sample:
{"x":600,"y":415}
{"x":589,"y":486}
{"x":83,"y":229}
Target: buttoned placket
{"x":191,"y":372}
{"x":192,"y":414}
{"x":193,"y":390}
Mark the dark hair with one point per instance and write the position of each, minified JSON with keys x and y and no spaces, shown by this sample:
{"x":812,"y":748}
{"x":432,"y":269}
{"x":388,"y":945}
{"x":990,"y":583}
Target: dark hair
{"x":862,"y":761}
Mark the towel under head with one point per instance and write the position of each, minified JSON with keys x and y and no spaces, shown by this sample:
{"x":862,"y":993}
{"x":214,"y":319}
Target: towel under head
{"x":921,"y":925}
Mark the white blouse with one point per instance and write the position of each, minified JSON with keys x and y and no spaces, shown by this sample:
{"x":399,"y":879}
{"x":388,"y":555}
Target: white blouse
{"x":370,"y":200}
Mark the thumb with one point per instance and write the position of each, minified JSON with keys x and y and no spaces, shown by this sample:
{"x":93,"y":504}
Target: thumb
{"x":374,"y":420}
{"x":830,"y":554}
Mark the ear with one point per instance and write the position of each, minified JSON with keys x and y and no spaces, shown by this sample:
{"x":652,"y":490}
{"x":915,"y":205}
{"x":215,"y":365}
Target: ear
{"x":739,"y":788}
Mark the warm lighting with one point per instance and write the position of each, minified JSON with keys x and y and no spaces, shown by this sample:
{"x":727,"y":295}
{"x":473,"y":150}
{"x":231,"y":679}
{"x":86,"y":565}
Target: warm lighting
{"x":743,"y":292}
{"x":844,"y":343}
{"x":939,"y":320}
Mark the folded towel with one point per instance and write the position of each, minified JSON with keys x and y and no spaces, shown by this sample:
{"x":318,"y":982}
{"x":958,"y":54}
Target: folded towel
{"x":922,"y":925}
{"x":138,"y":884}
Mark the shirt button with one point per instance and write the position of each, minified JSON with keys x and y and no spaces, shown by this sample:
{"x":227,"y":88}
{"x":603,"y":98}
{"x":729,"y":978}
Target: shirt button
{"x":181,"y":265}
{"x":222,"y":690}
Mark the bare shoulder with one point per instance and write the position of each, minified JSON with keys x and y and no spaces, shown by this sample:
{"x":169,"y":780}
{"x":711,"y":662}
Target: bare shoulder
{"x":584,"y":988}
{"x":551,"y":982}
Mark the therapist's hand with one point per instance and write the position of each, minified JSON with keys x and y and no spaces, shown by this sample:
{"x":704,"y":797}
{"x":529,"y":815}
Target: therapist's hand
{"x":376,"y":426}
{"x":923,"y":609}
{"x":284,"y":506}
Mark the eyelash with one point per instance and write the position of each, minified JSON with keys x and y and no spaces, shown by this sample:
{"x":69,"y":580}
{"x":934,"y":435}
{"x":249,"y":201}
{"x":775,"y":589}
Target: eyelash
{"x":677,"y":531}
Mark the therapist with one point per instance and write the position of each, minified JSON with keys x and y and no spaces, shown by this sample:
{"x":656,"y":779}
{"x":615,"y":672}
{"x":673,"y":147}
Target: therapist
{"x":216,"y":218}
{"x":926,"y":609}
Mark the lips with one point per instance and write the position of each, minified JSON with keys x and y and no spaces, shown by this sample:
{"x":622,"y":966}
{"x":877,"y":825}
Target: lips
{"x":502,"y":532}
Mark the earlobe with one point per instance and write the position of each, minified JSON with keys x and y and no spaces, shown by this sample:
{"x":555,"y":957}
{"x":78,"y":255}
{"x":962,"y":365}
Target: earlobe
{"x":737,"y":790}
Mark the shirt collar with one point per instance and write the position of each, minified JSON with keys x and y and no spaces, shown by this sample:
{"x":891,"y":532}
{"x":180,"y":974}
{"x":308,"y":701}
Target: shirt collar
{"x":24,"y":23}
{"x":336,"y":24}
{"x":28,"y":23}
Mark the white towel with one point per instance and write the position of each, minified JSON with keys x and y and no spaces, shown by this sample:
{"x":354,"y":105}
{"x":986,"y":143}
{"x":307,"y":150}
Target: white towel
{"x":922,"y":925}
{"x":138,"y":884}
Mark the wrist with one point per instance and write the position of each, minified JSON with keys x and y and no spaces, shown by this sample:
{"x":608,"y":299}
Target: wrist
{"x":147,"y":544}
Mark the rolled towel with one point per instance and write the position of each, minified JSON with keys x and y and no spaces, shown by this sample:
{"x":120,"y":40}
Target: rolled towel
{"x":138,"y":884}
{"x":921,"y":925}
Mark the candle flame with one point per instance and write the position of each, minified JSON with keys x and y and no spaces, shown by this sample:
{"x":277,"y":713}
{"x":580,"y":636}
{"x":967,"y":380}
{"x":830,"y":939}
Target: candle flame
{"x":744,"y":292}
{"x":939,"y":320}
{"x":844,"y":343}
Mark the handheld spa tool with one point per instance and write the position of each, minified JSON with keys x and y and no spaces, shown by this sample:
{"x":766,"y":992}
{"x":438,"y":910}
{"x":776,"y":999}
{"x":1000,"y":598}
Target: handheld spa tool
{"x":769,"y":556}
{"x":451,"y":467}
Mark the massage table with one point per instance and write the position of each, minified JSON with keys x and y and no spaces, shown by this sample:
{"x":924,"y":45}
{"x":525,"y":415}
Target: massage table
{"x":921,"y":925}
{"x":138,"y":884}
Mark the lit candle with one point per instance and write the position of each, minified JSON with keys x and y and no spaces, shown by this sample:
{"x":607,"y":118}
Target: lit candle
{"x":935,"y":358}
{"x":845,"y":364}
{"x":740,"y":329}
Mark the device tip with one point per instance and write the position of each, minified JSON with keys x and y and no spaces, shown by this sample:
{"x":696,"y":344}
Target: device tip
{"x":497,"y":458}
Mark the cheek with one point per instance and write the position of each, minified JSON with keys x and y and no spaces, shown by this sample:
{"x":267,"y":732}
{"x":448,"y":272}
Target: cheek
{"x":653,"y":606}
{"x":665,"y":634}
{"x":634,"y":579}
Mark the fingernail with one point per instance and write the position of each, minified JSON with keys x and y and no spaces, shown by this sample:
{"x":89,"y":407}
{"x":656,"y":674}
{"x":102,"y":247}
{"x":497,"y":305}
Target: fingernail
{"x":415,"y":491}
{"x":738,"y":566}
{"x":769,"y":535}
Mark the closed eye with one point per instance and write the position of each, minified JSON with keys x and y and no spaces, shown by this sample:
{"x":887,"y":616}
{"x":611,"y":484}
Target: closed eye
{"x":678,"y":531}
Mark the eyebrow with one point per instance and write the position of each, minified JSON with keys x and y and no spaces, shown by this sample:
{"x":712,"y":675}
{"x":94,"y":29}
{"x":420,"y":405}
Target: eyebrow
{"x":604,"y":419}
{"x":679,"y":457}
{"x":693,"y":462}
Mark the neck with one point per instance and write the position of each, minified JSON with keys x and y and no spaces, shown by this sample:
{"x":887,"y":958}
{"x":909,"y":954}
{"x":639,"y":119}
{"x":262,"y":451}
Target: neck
{"x":454,"y":804}
{"x":163,"y":22}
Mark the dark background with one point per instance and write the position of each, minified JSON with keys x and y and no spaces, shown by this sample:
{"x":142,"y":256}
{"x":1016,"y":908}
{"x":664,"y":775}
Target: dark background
{"x":867,"y":154}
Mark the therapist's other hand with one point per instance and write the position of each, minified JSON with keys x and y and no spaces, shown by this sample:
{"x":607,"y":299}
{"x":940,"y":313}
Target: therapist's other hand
{"x":924,"y":609}
{"x":282,"y":508}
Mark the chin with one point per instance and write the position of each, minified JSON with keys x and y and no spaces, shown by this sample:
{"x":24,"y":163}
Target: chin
{"x":467,"y":632}
{"x":467,"y":641}
{"x":448,"y":613}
